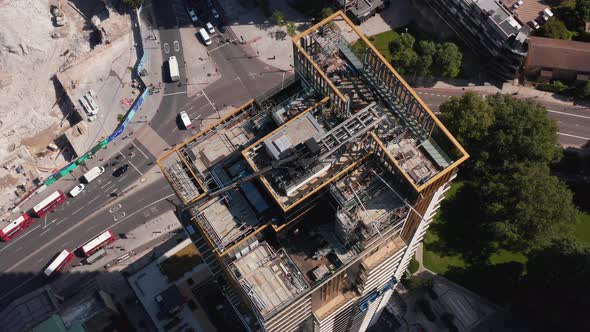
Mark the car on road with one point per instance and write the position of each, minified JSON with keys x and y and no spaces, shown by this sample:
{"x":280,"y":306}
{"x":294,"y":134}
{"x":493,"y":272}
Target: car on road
{"x":121,"y":170}
{"x":76,"y":191}
{"x":210,"y":28}
{"x":214,"y":13}
{"x":186,"y":121}
{"x":193,"y":15}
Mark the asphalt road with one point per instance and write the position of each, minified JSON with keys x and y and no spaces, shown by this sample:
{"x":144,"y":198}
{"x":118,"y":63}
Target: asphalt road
{"x":80,"y":219}
{"x":243,"y":77}
{"x":574,"y":122}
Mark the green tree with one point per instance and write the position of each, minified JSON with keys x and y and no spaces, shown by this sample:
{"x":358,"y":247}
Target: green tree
{"x":291,"y":30}
{"x":414,"y":265}
{"x":426,"y":50}
{"x":327,"y":11}
{"x":447,"y":60}
{"x":401,"y":43}
{"x":583,"y":91}
{"x":555,"y":28}
{"x":583,"y":9}
{"x":522,"y":133}
{"x":557,"y":274}
{"x":278,"y":17}
{"x":133,"y":3}
{"x":528,"y":208}
{"x":405,"y":61}
{"x":469,"y":118}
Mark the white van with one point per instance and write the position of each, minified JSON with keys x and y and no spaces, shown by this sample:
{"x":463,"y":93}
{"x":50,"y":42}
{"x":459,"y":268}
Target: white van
{"x":186,"y":121}
{"x":204,"y":36}
{"x":173,"y":68}
{"x":92,"y":174}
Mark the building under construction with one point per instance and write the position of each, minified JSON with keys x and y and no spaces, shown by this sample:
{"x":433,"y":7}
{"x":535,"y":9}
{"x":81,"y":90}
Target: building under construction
{"x":309,"y":204}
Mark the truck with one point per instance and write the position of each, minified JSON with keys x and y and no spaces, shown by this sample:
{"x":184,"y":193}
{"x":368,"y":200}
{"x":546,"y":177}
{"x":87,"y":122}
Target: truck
{"x":173,"y":66}
{"x":92,"y":174}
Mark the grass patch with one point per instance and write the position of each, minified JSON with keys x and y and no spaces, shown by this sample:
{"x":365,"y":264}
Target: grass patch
{"x":504,"y":256}
{"x":380,"y":41}
{"x":180,"y":263}
{"x":582,"y":228}
{"x":436,"y":262}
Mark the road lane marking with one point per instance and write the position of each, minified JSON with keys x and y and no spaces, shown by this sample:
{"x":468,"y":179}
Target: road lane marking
{"x":94,"y":199}
{"x":574,"y":136}
{"x":51,"y":222}
{"x":173,"y":93}
{"x":114,"y":184}
{"x":129,"y":216}
{"x":146,"y":157}
{"x":15,"y":241}
{"x":566,"y":113}
{"x":45,"y":232}
{"x":77,"y":211}
{"x":106,"y":184}
{"x":218,"y":47}
{"x":209,"y":100}
{"x":64,"y":219}
{"x":138,"y":171}
{"x":19,"y":249}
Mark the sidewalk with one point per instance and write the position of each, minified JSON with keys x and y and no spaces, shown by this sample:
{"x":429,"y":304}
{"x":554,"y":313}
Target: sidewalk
{"x":263,"y":39}
{"x":507,"y":88}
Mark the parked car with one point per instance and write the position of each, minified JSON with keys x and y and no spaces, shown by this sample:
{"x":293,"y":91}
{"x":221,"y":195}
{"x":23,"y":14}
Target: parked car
{"x":76,"y":191}
{"x":534,"y":24}
{"x":546,"y":14}
{"x":221,"y":28}
{"x":121,"y":170}
{"x":214,"y":13}
{"x":517,"y":4}
{"x":193,"y":15}
{"x":210,"y":28}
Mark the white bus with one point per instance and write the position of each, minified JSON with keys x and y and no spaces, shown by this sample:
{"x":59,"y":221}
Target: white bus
{"x":58,"y":262}
{"x":97,"y":243}
{"x":91,"y":103}
{"x":173,"y":67}
{"x":85,"y":106}
{"x":92,"y":174}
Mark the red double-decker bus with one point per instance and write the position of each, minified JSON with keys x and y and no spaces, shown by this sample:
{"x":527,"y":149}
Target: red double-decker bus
{"x":49,"y":204}
{"x":98,"y":242}
{"x":9,"y":231}
{"x":58,"y":262}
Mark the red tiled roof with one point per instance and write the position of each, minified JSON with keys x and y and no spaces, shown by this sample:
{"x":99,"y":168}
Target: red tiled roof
{"x":558,"y":54}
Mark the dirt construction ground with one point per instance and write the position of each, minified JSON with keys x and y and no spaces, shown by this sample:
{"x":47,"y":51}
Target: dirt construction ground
{"x":32,"y":113}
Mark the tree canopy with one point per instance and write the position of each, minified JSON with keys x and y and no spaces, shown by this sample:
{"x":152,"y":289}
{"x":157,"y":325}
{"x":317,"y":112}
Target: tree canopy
{"x":555,"y":28}
{"x":425,"y":58}
{"x":501,"y":131}
{"x":583,"y":9}
{"x":511,"y":143}
{"x":447,"y":60}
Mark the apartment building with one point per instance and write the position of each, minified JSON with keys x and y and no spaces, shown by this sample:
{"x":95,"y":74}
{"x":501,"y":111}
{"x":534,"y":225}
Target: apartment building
{"x":308,"y":204}
{"x":489,"y":28}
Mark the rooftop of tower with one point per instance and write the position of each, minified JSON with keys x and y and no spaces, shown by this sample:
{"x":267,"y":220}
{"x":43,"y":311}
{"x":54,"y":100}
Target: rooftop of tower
{"x":347,"y":126}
